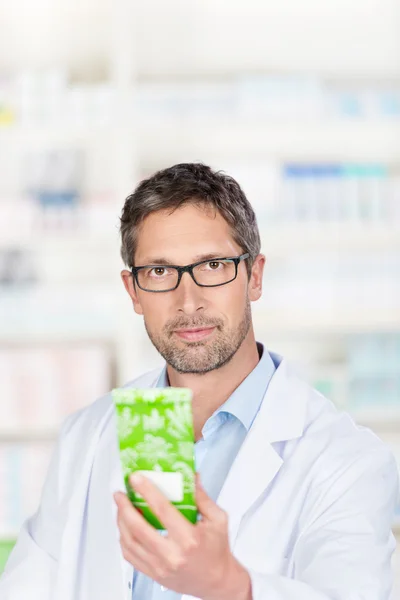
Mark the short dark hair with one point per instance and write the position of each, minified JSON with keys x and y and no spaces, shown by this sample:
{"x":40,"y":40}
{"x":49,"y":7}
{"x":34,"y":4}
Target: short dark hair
{"x":190,"y":183}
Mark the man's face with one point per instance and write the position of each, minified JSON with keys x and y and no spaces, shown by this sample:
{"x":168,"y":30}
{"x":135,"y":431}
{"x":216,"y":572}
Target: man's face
{"x":220,"y":316}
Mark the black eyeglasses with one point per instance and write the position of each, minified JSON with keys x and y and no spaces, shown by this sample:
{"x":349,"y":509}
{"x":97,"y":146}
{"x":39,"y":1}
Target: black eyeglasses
{"x":206,"y":273}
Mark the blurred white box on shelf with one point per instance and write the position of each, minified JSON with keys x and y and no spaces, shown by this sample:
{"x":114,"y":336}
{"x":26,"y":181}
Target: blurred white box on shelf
{"x":9,"y":413}
{"x":44,"y":383}
{"x":260,"y":182}
{"x":23,"y":469}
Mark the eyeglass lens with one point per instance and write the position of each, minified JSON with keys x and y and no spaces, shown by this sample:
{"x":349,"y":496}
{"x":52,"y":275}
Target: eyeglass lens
{"x":210,"y":273}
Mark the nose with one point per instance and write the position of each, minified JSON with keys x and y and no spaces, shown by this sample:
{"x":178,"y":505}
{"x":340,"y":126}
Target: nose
{"x":189,"y":296}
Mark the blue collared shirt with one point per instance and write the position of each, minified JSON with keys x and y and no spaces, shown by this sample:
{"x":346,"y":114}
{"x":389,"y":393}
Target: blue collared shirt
{"x":214,"y":454}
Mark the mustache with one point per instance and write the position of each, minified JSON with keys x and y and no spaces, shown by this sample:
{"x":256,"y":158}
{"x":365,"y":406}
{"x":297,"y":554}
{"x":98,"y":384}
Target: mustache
{"x":192,"y":323}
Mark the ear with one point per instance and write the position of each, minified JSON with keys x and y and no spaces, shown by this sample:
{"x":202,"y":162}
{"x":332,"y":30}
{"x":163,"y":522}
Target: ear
{"x":131,"y":288}
{"x":256,"y":279}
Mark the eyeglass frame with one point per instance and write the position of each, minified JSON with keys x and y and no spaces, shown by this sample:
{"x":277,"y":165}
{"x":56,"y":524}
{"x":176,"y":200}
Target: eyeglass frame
{"x":189,"y":269}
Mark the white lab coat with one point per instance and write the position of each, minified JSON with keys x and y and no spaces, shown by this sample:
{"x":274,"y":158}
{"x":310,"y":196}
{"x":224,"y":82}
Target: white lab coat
{"x":310,"y":499}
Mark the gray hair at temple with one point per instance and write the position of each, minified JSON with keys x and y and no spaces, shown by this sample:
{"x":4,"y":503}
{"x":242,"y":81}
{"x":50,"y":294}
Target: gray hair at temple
{"x":190,"y":183}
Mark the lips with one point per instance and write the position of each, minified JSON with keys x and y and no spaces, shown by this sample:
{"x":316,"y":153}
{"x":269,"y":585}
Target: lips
{"x":194,"y":334}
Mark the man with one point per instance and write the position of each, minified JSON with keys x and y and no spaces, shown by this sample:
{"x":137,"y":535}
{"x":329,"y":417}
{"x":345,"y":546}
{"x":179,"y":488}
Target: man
{"x":296,"y":500}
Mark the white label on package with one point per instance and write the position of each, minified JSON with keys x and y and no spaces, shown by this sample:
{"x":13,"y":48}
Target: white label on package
{"x":170,"y":484}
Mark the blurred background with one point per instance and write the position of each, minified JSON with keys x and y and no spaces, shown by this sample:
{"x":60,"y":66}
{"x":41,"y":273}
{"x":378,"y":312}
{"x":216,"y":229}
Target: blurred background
{"x":300,"y":101}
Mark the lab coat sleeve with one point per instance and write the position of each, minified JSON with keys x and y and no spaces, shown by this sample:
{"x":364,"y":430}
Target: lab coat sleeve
{"x":32,"y":565}
{"x":344,"y":552}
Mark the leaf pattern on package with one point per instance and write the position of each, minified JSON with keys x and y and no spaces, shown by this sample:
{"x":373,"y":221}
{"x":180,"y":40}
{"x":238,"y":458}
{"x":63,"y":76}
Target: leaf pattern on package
{"x":154,"y":449}
{"x":188,"y":475}
{"x":126,"y":422}
{"x":185,"y":450}
{"x":129,"y":458}
{"x":180,"y":422}
{"x":154,"y":421}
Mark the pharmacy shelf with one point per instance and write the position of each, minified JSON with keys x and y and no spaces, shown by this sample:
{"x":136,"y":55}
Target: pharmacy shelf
{"x":379,"y":420}
{"x":38,"y":333}
{"x":285,"y":239}
{"x":213,"y":139}
{"x":162,"y":140}
{"x":27,"y":436}
{"x":334,"y":322}
{"x":49,"y":134}
{"x":65,"y":243}
{"x":27,"y":337}
{"x":59,"y":312}
{"x":84,"y":227}
{"x":396,"y":527}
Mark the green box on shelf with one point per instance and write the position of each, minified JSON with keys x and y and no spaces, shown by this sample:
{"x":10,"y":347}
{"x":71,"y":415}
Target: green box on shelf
{"x":5,"y":549}
{"x":156,"y":437}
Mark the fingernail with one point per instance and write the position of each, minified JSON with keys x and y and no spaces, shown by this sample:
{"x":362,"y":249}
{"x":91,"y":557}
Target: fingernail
{"x":136,"y":479}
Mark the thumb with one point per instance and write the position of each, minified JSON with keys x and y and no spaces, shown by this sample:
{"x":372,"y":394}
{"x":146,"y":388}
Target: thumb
{"x":205,"y":505}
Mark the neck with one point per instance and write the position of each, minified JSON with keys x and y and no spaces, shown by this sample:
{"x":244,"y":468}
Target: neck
{"x":211,"y":390}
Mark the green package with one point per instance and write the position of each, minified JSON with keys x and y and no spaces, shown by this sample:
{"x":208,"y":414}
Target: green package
{"x":6,"y":547}
{"x":156,"y":437}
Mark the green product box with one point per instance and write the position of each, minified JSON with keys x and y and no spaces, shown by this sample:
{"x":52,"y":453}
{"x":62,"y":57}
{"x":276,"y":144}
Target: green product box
{"x":5,"y":549}
{"x":156,"y":437}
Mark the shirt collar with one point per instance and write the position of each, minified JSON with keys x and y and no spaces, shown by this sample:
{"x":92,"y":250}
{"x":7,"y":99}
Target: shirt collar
{"x":246,"y":399}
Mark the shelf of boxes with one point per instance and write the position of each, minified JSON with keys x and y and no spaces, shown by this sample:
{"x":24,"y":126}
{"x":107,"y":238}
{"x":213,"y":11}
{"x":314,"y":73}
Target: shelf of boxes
{"x":178,"y":139}
{"x":284,"y":240}
{"x":379,"y":420}
{"x":25,"y":435}
{"x":94,"y":322}
{"x":47,"y":379}
{"x":330,"y":322}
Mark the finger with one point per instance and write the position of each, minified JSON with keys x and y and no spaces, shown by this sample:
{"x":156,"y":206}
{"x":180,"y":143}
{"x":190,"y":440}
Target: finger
{"x":174,"y":522}
{"x":150,"y":564}
{"x":139,"y":528}
{"x":133,"y":556}
{"x":205,"y":505}
{"x":133,"y":546}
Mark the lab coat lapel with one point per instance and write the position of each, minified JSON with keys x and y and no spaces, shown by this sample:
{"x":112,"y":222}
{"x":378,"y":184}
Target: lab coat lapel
{"x":70,"y":567}
{"x":116,"y":483}
{"x":73,"y":580}
{"x":102,"y":549}
{"x":281,"y":417}
{"x":255,"y":466}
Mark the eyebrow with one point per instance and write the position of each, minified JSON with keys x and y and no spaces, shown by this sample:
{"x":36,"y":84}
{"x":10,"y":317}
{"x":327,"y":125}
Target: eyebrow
{"x":199,"y":257}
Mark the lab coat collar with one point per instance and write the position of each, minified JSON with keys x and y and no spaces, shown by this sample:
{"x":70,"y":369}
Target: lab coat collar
{"x":281,"y":418}
{"x":284,"y":406}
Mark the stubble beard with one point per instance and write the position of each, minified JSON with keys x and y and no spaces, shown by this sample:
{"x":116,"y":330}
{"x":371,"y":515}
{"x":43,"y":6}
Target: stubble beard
{"x":200,"y":356}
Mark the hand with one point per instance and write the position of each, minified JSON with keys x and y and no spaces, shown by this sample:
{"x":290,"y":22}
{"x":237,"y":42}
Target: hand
{"x":191,"y":559}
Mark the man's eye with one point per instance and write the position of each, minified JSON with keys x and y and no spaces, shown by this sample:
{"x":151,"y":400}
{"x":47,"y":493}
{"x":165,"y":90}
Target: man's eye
{"x":158,"y":271}
{"x":214,"y":265}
